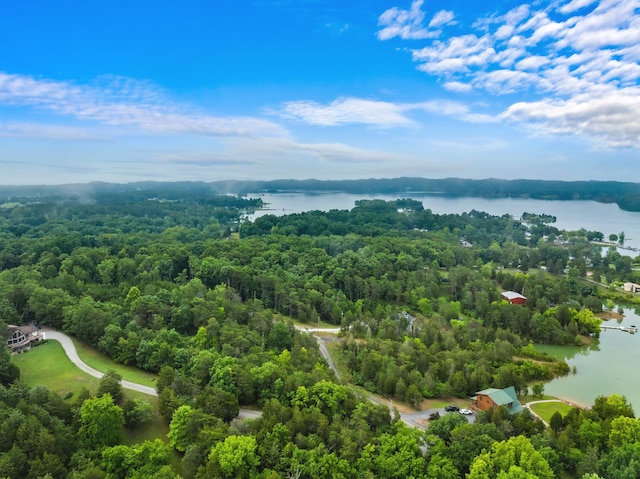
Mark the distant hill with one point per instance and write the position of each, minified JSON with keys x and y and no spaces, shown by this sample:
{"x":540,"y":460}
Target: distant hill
{"x":626,"y":195}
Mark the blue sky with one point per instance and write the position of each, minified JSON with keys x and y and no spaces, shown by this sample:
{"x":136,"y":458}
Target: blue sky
{"x":257,"y":89}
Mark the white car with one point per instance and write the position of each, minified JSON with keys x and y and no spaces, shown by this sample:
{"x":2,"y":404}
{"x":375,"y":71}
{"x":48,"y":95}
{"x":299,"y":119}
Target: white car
{"x":466,"y":411}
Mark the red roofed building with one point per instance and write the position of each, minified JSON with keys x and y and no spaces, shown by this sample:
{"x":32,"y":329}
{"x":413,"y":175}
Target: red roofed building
{"x":513,"y":297}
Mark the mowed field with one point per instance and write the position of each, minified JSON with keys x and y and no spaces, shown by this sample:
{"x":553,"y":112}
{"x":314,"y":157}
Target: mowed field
{"x":103,"y":363}
{"x":547,"y":409}
{"x":48,"y":365}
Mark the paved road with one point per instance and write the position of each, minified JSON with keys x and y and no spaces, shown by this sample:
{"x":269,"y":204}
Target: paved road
{"x":411,"y":419}
{"x":72,"y":354}
{"x":318,"y":330}
{"x":70,"y":349}
{"x":325,"y":352}
{"x":321,"y":340}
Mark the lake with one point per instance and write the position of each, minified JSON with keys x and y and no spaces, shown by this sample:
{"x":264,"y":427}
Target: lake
{"x":571,"y":215}
{"x":609,"y":367}
{"x":604,"y":369}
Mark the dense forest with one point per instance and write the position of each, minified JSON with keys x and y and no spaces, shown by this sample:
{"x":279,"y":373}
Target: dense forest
{"x":173,"y":280}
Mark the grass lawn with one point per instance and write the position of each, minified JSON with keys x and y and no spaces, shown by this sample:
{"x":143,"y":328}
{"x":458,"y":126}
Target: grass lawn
{"x":103,"y":363}
{"x":311,"y":324}
{"x":49,"y":366}
{"x":547,"y":409}
{"x":529,"y":397}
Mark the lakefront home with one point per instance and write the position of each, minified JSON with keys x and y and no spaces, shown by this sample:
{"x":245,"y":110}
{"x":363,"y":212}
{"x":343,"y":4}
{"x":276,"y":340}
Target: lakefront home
{"x":489,"y":399}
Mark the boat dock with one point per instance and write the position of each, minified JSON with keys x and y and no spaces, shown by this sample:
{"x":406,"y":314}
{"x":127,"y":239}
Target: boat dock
{"x":627,"y":329}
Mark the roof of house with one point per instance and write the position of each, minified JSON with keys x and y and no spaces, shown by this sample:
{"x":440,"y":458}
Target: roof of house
{"x":512,"y":295}
{"x":503,"y":397}
{"x":25,"y":329}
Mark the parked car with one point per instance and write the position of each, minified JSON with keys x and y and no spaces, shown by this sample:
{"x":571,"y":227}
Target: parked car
{"x":451,"y":408}
{"x":466,"y":411}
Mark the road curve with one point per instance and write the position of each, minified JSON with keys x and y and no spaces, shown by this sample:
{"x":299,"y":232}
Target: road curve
{"x":70,"y":349}
{"x":71,"y":352}
{"x":410,"y":419}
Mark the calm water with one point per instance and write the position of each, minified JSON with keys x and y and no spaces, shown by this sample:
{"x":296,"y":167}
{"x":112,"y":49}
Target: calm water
{"x":571,"y":215}
{"x":611,"y":367}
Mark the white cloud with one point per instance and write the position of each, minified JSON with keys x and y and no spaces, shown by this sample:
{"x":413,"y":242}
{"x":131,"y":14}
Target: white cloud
{"x":533,"y":62}
{"x":347,"y":110}
{"x":612,"y":120}
{"x":578,"y":59}
{"x":443,"y":17}
{"x":125,"y":103}
{"x":452,"y":109}
{"x":408,"y":24}
{"x":375,"y":113}
{"x":574,"y":5}
{"x":456,"y":55}
{"x":457,"y":86}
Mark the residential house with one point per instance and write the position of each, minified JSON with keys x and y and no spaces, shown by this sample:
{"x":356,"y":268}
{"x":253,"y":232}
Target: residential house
{"x":632,"y":287}
{"x":22,"y":337}
{"x":489,"y":399}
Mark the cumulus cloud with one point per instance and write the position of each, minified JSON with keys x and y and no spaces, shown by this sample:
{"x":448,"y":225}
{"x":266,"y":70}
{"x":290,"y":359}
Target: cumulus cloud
{"x":614,"y":117}
{"x":125,"y":103}
{"x":408,"y":24}
{"x":380,"y":114}
{"x":579,"y":60}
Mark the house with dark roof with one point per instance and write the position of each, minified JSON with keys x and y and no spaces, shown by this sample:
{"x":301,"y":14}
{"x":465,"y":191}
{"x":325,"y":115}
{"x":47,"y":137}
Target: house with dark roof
{"x":489,"y":399}
{"x":21,"y":338}
{"x":513,"y":297}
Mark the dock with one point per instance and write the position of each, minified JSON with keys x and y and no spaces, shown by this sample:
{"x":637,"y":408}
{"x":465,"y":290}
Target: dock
{"x":627,"y":329}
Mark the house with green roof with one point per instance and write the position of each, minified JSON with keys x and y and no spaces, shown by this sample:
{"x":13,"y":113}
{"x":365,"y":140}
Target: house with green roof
{"x":489,"y":399}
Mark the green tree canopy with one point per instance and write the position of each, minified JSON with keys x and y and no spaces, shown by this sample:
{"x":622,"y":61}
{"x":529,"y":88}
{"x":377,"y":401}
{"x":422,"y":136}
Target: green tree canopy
{"x":101,"y":422}
{"x":512,"y":459}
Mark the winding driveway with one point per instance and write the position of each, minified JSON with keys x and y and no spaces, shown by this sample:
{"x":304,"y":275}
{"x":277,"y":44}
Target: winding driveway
{"x":71,"y":352}
{"x":411,"y":419}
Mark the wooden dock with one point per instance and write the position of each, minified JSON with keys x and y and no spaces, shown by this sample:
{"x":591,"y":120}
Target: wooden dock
{"x":627,"y":329}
